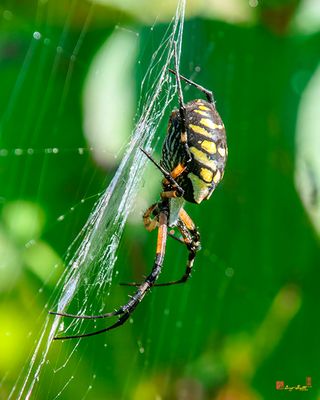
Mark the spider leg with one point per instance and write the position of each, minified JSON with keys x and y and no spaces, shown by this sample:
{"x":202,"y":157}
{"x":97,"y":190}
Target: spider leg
{"x":207,"y":92}
{"x":106,"y":315}
{"x":151,"y":223}
{"x":192,"y":240}
{"x":126,"y":310}
{"x":179,"y":191}
{"x":120,"y":322}
{"x":182,"y":108}
{"x":175,"y":173}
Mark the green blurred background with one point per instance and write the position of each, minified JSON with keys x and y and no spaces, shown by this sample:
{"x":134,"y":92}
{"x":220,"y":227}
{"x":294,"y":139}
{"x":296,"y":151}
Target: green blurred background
{"x":71,"y":73}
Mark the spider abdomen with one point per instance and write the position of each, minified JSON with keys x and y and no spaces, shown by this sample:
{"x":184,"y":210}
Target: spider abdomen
{"x":206,"y":140}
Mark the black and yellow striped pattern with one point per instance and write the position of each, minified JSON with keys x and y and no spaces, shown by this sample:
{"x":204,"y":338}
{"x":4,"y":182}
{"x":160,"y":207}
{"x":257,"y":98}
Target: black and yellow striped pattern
{"x":206,"y":139}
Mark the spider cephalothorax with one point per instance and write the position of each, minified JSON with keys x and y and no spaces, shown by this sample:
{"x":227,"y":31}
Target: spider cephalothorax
{"x":193,"y":159}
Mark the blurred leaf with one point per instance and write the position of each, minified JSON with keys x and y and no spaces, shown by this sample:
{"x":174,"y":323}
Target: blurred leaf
{"x":24,"y":220}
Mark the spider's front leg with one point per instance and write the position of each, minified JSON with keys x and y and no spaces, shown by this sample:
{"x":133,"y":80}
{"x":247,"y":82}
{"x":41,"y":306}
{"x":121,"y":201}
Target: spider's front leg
{"x":175,"y":190}
{"x":125,"y":311}
{"x":182,"y":108}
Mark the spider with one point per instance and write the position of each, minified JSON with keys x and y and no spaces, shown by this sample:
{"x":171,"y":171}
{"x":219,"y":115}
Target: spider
{"x":193,"y":159}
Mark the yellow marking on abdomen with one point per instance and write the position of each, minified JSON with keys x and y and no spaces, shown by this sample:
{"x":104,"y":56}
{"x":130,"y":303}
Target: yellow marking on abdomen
{"x":208,"y":122}
{"x":202,"y":113}
{"x":210,"y":147}
{"x":199,"y":129}
{"x":203,"y":158}
{"x":217,"y":177}
{"x":204,"y":108}
{"x":206,"y":174}
{"x":222,"y":151}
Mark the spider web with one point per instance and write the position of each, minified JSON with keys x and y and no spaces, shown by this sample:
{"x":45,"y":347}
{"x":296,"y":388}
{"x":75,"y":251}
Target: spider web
{"x":91,"y":258}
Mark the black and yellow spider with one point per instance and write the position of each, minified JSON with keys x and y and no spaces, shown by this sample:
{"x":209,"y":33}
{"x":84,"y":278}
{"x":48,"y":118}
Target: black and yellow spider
{"x":194,"y":155}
